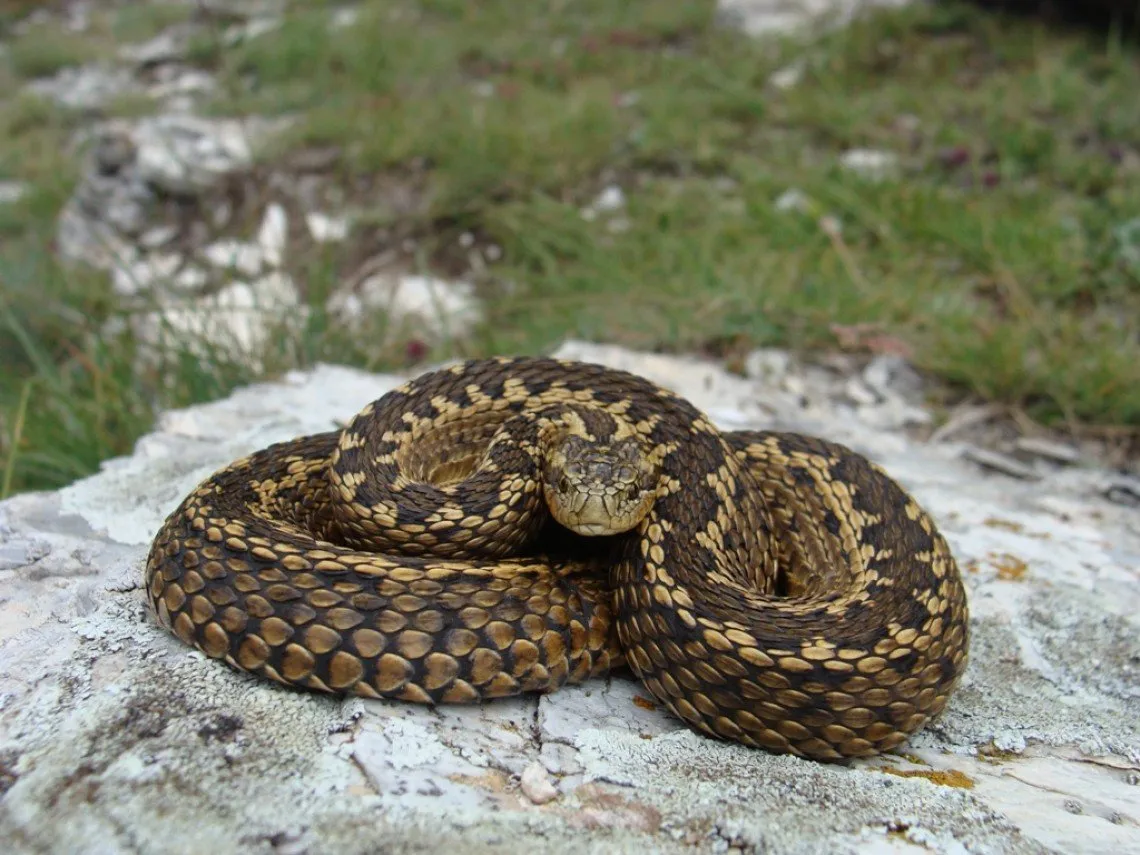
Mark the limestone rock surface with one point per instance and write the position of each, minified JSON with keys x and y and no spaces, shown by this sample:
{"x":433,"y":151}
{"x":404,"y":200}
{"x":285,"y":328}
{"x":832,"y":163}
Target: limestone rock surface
{"x":116,"y":738}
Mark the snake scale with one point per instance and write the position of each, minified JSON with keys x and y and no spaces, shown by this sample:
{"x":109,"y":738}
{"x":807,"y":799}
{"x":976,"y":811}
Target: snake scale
{"x":512,"y":525}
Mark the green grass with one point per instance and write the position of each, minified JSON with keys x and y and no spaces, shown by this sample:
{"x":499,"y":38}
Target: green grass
{"x":45,"y":49}
{"x":137,"y":22}
{"x":998,"y":253}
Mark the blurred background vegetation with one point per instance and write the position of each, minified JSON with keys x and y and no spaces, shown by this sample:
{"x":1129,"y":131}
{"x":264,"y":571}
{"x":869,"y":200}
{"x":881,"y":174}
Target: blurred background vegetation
{"x":991,"y":233}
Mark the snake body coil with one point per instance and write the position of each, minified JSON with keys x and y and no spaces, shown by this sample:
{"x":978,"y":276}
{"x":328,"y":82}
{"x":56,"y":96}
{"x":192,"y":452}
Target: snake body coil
{"x":768,"y":588}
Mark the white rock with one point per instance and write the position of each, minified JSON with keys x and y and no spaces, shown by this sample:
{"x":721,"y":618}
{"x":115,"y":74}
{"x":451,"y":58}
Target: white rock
{"x":890,"y":374}
{"x":774,"y":17}
{"x":788,"y":76}
{"x":1127,"y":236}
{"x":435,"y":307}
{"x":536,"y":784}
{"x":235,"y":322}
{"x":82,"y":238}
{"x":884,"y":390}
{"x":769,"y":364}
{"x":143,"y":745}
{"x":168,"y":46}
{"x":187,"y":154}
{"x":794,"y":200}
{"x":273,"y":235}
{"x":157,"y":237}
{"x":246,"y":258}
{"x":325,"y":228}
{"x":245,"y":9}
{"x":156,"y":272}
{"x":871,"y":164}
{"x":251,"y":29}
{"x":85,"y":87}
{"x":343,"y":17}
{"x":859,"y":392}
{"x":610,"y":200}
{"x":182,"y":82}
{"x":12,"y":191}
{"x":893,"y":413}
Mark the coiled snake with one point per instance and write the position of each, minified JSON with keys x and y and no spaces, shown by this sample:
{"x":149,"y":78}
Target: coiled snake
{"x":511,"y":525}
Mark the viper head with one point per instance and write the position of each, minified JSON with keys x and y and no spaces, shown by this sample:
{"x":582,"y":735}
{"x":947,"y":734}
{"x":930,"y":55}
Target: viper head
{"x":598,"y":487}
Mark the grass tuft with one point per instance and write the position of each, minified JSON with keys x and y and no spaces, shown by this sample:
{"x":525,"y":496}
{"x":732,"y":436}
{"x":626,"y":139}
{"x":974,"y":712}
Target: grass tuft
{"x":45,"y":49}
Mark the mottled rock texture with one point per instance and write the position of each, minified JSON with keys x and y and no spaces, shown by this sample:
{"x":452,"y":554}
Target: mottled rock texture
{"x":116,"y":738}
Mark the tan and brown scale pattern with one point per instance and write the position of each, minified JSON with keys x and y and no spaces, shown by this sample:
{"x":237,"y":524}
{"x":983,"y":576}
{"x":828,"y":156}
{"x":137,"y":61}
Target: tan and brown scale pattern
{"x":513,"y":525}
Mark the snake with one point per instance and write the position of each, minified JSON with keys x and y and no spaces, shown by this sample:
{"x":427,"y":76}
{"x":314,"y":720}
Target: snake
{"x":512,"y":525}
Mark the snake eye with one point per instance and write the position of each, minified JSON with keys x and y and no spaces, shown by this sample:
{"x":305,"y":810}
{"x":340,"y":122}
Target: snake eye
{"x":632,"y":492}
{"x":563,"y":484}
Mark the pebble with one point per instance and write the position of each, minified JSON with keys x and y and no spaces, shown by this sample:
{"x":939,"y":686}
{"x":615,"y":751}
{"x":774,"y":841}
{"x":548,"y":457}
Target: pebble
{"x":536,"y":784}
{"x":788,"y":76}
{"x":870,"y":163}
{"x":326,"y":229}
{"x":273,"y":235}
{"x":12,"y":191}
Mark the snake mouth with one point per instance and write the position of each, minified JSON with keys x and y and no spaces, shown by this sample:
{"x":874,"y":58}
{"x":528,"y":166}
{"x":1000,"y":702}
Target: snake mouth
{"x":593,"y":529}
{"x":597,"y":515}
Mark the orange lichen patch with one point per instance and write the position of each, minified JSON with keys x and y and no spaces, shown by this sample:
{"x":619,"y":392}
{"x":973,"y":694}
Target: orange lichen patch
{"x":995,"y":522}
{"x":644,"y":703}
{"x":942,"y":777}
{"x":494,"y":781}
{"x":602,"y":808}
{"x":1015,"y":527}
{"x":1009,"y":568}
{"x":990,"y":753}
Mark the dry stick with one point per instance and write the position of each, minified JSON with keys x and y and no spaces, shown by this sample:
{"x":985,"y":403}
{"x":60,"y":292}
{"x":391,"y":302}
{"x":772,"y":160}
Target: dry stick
{"x":831,"y":229}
